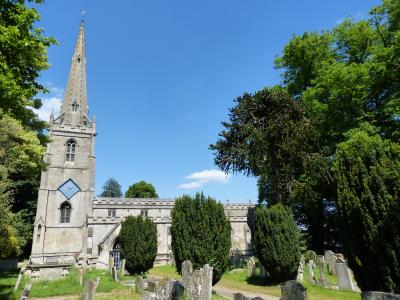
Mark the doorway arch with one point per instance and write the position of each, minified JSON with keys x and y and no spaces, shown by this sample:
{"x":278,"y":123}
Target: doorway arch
{"x":116,"y":252}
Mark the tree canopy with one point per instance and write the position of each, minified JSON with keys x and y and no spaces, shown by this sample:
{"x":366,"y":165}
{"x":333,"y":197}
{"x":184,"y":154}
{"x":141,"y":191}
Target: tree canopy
{"x":111,"y":188}
{"x":141,"y":189}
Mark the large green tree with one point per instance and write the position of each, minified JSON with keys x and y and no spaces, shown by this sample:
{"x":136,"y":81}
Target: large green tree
{"x":111,"y":188}
{"x":23,"y":55}
{"x":265,"y":137}
{"x":138,"y":238}
{"x":368,"y":174}
{"x":201,"y":233}
{"x":141,"y":189}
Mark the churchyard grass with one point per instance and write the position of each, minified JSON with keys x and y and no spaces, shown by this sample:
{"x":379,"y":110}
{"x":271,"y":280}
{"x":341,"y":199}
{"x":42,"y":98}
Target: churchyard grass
{"x":7,"y":283}
{"x":237,"y":279}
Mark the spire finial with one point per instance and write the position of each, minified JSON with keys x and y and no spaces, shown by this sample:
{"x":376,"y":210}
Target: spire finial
{"x":83,"y":16}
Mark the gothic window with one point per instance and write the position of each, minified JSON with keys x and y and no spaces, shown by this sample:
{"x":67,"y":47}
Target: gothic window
{"x":75,"y":106}
{"x":39,"y":229}
{"x":70,"y":153}
{"x":65,"y":212}
{"x":144,"y":213}
{"x":112,"y":212}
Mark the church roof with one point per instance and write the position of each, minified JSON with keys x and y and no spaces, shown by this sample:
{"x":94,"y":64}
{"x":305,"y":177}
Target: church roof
{"x":74,"y":109}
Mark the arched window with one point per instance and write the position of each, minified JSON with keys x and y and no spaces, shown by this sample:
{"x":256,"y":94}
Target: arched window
{"x":75,"y":106}
{"x":112,"y":212}
{"x":65,"y":212}
{"x":39,"y":231}
{"x":70,"y":153}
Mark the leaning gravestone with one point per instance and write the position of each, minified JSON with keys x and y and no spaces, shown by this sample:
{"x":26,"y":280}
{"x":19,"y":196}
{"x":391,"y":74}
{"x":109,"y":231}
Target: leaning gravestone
{"x":327,"y":254}
{"x":251,"y":267}
{"x":343,"y":275}
{"x":371,"y":295}
{"x":292,"y":290}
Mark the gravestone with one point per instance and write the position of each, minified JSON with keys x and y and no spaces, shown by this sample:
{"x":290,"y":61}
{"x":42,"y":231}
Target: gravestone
{"x":198,"y":283}
{"x":300,"y":272}
{"x":327,"y":254}
{"x":372,"y":295}
{"x":110,"y":263}
{"x":187,"y":269}
{"x":81,"y":273}
{"x":114,"y":273}
{"x":89,"y":292}
{"x":251,"y":267}
{"x":122,"y":269}
{"x":97,"y":282}
{"x":152,"y":285}
{"x":320,"y":260}
{"x":263,"y":272}
{"x":311,"y":271}
{"x":170,"y":290}
{"x":331,"y":263}
{"x":140,"y":284}
{"x":344,"y":276}
{"x":26,"y":291}
{"x":292,"y":290}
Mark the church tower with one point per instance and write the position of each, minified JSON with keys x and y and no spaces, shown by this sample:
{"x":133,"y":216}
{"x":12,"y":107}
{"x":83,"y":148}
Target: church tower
{"x":67,"y":185}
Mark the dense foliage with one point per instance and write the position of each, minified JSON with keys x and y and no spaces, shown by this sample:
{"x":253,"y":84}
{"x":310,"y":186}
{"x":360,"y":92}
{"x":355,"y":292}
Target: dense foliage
{"x":367,"y":169}
{"x":23,"y":55}
{"x":276,"y":240}
{"x":138,"y":238}
{"x":141,"y":189}
{"x":201,"y":233}
{"x":111,"y":188}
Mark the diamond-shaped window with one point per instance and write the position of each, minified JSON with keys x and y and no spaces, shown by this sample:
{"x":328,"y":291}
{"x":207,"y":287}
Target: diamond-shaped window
{"x":69,"y":188}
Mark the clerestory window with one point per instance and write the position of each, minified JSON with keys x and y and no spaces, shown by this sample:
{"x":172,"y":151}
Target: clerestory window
{"x":112,"y":212}
{"x":70,"y":151}
{"x":65,"y":212}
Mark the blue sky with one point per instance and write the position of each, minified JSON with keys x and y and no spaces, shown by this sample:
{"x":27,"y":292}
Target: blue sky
{"x":163,"y":74}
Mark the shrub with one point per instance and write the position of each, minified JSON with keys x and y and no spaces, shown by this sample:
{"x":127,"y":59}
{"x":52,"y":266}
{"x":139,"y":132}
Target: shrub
{"x":201,"y":233}
{"x":368,"y":175}
{"x":276,"y":239}
{"x":138,"y":238}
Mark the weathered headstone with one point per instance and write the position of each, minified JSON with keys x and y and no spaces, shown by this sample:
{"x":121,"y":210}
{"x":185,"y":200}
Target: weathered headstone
{"x":331,"y":263}
{"x":110,"y":262}
{"x":372,"y":295}
{"x":251,"y":267}
{"x":292,"y":290}
{"x":198,"y":283}
{"x":170,"y":290}
{"x":343,"y":275}
{"x":152,"y":285}
{"x":89,"y":292}
{"x":311,"y":271}
{"x":81,"y":273}
{"x":300,"y":272}
{"x":26,"y":291}
{"x":320,"y":260}
{"x":114,"y":273}
{"x":97,"y":282}
{"x":263,"y":272}
{"x":122,"y":269}
{"x":187,"y":269}
{"x":207,"y":275}
{"x":140,"y":284}
{"x":327,"y":254}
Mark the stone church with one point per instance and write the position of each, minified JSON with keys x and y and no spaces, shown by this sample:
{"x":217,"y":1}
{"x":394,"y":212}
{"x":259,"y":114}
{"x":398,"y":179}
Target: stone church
{"x":72,"y":224}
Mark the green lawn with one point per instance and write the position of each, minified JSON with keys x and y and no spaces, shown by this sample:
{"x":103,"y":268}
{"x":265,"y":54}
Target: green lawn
{"x":108,"y":288}
{"x":238,"y":279}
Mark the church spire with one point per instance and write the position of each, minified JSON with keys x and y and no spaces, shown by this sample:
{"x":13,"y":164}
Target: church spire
{"x":74,"y":110}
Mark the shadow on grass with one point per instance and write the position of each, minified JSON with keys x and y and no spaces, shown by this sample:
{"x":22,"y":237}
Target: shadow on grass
{"x":259,"y":281}
{"x":7,"y":282}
